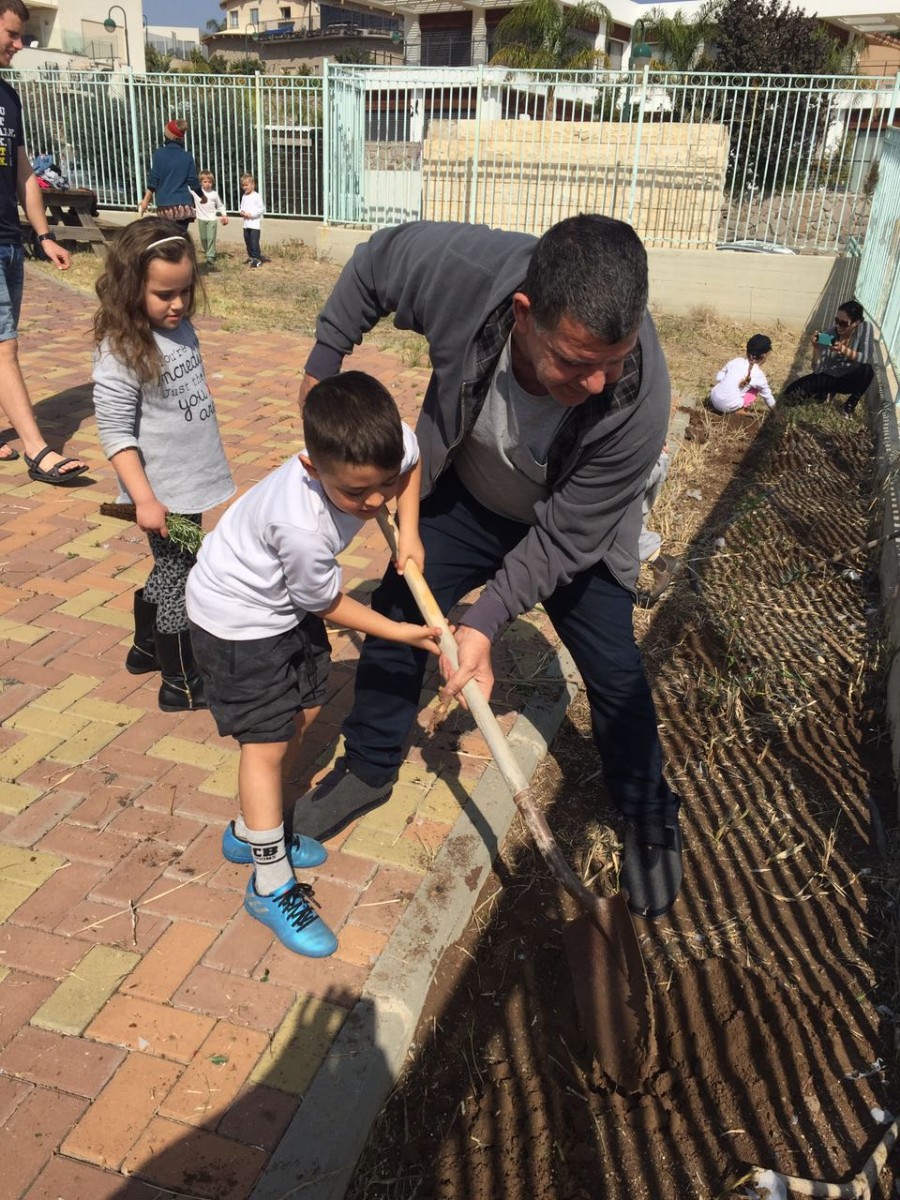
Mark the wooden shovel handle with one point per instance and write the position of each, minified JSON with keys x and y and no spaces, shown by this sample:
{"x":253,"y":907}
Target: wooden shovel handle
{"x":494,"y":736}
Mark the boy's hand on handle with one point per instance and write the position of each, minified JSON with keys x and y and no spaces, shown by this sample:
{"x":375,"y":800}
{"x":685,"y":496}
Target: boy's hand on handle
{"x":409,"y":547}
{"x":474,"y":651}
{"x":422,"y":637}
{"x":151,"y":517}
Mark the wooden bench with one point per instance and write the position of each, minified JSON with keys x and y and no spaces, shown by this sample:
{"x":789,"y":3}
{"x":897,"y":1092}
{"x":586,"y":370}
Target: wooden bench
{"x":72,"y":217}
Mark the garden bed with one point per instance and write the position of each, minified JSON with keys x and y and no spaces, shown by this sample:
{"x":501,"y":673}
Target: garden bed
{"x":774,"y":981}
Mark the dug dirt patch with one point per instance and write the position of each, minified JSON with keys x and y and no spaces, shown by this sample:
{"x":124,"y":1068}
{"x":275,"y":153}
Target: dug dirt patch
{"x":773,"y":981}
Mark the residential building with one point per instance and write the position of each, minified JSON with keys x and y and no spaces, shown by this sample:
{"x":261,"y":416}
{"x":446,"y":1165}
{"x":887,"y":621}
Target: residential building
{"x":287,"y":35}
{"x":178,"y":43}
{"x":84,"y":35}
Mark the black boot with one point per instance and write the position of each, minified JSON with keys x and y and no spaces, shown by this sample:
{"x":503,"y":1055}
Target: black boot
{"x":182,"y":687}
{"x":141,"y":658}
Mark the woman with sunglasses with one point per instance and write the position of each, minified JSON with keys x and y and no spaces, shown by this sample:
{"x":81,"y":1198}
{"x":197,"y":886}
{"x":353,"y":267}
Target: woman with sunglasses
{"x":842,"y":359}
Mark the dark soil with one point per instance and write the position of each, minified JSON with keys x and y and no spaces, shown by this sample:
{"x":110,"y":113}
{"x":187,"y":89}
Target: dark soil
{"x":774,"y":980}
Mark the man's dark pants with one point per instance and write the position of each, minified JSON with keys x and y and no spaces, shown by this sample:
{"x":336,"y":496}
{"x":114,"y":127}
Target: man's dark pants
{"x":464,"y":546}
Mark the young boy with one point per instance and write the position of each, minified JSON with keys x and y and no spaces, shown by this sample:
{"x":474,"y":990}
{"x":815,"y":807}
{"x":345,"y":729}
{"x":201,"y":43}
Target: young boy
{"x":210,"y":210}
{"x":252,"y":211}
{"x":741,"y":380}
{"x":265,"y":578}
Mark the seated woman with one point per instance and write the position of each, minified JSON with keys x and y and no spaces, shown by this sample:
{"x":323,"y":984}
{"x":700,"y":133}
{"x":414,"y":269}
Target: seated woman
{"x":843,"y":367}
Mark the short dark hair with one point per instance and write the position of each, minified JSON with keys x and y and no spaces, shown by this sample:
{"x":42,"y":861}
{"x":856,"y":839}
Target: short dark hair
{"x":352,"y":418}
{"x":853,"y":309}
{"x":16,"y":7}
{"x":592,"y":269}
{"x":758,"y":345}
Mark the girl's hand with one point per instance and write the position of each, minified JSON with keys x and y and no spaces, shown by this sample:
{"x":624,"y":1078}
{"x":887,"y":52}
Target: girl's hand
{"x":409,"y":547}
{"x":843,"y":348}
{"x":224,"y":220}
{"x":419,"y":636}
{"x":151,"y":517}
{"x":814,"y":340}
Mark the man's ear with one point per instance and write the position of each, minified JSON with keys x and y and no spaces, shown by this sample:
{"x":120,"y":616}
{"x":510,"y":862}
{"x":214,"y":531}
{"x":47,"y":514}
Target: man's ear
{"x":307,"y":463}
{"x":521,"y":307}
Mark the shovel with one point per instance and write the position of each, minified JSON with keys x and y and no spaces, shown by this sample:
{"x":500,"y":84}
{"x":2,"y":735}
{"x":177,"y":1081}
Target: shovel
{"x":608,"y":971}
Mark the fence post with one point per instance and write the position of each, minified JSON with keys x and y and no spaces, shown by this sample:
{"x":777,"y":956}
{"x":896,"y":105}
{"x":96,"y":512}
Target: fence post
{"x":139,"y":174}
{"x":326,"y":142}
{"x":894,"y":95}
{"x":260,"y":169}
{"x":637,"y":146}
{"x":476,"y":152}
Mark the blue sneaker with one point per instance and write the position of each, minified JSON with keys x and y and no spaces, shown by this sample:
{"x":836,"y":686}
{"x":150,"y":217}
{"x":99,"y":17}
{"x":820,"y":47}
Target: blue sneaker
{"x":288,"y":913}
{"x":303,"y":851}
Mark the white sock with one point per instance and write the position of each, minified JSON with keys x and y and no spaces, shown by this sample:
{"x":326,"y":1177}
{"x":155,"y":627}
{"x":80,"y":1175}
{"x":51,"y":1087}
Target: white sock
{"x":240,"y":828}
{"x":272,"y":868}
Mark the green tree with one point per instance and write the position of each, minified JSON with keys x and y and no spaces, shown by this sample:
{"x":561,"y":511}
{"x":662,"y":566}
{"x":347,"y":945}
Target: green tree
{"x":545,"y":35}
{"x":247,"y":66}
{"x":157,"y":62}
{"x":683,"y":43}
{"x":214,"y":26}
{"x":773,"y":37}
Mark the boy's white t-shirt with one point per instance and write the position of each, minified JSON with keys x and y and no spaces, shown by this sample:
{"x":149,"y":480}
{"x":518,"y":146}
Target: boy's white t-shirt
{"x":271,"y":559}
{"x":727,"y":395}
{"x":209,"y":205}
{"x":252,"y":203}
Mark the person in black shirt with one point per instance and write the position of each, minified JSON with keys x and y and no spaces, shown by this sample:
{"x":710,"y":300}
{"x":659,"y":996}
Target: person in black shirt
{"x":18,"y":184}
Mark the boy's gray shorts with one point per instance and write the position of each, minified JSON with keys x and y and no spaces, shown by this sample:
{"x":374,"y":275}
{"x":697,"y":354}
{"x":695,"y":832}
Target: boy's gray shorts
{"x":254,"y":689}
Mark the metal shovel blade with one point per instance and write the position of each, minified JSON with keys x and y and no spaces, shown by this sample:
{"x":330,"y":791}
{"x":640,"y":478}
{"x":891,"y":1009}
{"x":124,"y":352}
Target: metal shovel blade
{"x":612,"y":992}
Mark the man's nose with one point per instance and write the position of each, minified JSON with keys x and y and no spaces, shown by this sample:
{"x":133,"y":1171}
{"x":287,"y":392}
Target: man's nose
{"x":595,"y":381}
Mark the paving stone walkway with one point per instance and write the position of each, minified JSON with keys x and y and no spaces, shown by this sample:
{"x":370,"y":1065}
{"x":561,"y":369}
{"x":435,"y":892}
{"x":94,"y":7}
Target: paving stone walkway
{"x":154,"y":1040}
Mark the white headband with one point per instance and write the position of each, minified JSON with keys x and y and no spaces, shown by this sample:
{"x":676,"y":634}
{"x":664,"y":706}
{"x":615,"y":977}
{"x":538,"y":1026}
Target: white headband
{"x":175,"y":237}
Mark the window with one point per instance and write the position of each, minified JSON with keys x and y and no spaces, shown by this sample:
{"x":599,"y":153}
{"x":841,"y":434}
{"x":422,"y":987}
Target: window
{"x":254,"y":16}
{"x":616,"y":51}
{"x":285,"y":13}
{"x":233,"y":19}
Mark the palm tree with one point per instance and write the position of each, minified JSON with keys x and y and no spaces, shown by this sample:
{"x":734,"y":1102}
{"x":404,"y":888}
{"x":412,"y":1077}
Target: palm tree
{"x":682,"y":42}
{"x":547,"y":35}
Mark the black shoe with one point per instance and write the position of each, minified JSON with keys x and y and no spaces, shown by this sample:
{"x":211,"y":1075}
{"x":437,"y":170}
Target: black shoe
{"x":337,"y":800}
{"x":652,"y":871}
{"x":141,"y":658}
{"x":182,"y":687}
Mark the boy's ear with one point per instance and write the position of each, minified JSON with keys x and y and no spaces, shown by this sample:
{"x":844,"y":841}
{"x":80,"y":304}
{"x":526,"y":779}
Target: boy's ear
{"x":307,"y":463}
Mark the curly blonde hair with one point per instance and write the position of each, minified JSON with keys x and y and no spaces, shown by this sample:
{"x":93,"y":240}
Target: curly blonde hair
{"x":121,"y":317}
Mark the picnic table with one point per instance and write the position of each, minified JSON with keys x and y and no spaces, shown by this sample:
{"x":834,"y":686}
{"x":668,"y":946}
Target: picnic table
{"x":72,"y":217}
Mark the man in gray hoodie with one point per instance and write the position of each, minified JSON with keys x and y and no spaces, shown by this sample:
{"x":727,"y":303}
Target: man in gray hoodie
{"x":546,"y":411}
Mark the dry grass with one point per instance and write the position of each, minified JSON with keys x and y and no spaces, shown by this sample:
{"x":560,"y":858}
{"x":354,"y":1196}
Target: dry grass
{"x":286,"y":294}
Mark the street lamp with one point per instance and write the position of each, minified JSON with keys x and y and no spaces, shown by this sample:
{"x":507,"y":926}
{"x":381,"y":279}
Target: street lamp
{"x":254,"y":34}
{"x":110,"y":26}
{"x":641,"y":53}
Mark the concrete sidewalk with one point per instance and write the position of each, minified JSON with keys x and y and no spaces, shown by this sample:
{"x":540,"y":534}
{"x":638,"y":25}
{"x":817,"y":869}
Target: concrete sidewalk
{"x":152,"y":1036}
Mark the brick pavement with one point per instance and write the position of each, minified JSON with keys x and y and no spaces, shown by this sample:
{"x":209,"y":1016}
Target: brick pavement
{"x":150,"y":1032}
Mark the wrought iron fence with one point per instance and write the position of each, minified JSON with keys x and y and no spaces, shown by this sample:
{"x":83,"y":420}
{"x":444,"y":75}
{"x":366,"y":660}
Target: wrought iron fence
{"x":692,"y":160}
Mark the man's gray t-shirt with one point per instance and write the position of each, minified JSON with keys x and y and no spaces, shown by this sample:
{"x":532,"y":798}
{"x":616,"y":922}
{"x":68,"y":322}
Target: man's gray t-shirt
{"x":503,"y":461}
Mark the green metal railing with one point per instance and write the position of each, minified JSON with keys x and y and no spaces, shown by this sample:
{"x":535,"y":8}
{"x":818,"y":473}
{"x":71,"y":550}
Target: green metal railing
{"x":692,"y":159}
{"x":878,"y":281}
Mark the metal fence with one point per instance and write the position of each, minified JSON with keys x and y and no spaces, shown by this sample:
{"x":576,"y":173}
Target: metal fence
{"x":102,"y":129}
{"x":692,"y":160}
{"x":878,"y":281}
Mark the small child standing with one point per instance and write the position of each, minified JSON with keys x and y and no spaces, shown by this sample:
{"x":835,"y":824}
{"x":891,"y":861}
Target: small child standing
{"x":210,"y":210}
{"x":265,"y":578}
{"x":157,"y":426}
{"x":741,"y":380}
{"x":252,"y":211}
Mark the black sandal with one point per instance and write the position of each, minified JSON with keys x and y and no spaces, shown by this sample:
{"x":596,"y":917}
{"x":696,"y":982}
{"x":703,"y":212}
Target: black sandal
{"x":55,"y":474}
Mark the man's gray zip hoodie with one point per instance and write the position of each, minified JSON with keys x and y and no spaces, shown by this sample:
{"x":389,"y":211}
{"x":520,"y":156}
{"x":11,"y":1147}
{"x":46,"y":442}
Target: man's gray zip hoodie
{"x":454,"y":284}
